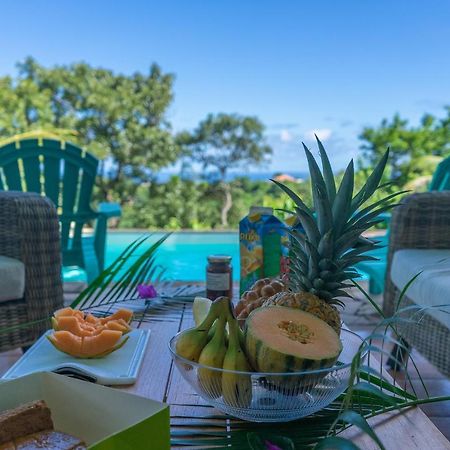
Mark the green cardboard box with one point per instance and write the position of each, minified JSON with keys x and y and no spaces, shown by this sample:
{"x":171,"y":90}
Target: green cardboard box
{"x":105,"y":418}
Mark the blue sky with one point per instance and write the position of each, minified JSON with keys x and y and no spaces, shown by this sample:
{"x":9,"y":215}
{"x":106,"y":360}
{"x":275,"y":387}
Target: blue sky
{"x":331,"y":66}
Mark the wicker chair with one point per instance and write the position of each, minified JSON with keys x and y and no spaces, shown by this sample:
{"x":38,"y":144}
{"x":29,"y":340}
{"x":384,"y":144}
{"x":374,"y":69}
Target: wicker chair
{"x":29,"y":232}
{"x":421,"y":222}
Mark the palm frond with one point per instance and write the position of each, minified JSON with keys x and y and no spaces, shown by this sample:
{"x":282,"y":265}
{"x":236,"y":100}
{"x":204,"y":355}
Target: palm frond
{"x":114,"y":283}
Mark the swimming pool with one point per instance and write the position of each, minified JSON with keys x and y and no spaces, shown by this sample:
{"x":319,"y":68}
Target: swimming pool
{"x":183,"y":254}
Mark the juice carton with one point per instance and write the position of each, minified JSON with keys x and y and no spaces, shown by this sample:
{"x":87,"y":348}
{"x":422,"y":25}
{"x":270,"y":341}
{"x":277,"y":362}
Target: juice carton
{"x":264,"y":246}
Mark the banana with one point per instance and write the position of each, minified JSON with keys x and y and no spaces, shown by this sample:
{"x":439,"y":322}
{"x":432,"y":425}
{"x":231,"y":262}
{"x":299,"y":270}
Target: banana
{"x":210,"y":381}
{"x":190,"y":343}
{"x":236,"y":388}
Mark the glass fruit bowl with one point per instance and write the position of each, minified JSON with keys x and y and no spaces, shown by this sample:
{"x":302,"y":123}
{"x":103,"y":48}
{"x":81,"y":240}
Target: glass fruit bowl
{"x":270,"y":397}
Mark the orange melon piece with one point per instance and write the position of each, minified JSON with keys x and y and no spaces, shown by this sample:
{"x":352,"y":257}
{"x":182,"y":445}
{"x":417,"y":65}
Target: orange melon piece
{"x":64,"y":312}
{"x":78,"y":313}
{"x":66,"y":342}
{"x":122,"y":313}
{"x":96,"y":345}
{"x":70,"y":323}
{"x":119,"y":325}
{"x":91,"y":319}
{"x":87,"y":347}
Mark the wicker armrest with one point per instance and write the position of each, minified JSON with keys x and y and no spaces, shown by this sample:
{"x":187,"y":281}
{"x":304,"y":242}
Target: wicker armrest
{"x":29,"y":231}
{"x":421,"y":221}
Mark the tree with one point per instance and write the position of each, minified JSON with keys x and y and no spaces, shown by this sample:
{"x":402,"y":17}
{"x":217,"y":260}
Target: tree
{"x":222,"y":142}
{"x":412,"y":148}
{"x":119,"y":118}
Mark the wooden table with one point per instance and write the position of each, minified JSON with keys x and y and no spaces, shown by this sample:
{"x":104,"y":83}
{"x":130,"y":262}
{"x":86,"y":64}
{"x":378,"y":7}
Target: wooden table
{"x":159,"y":380}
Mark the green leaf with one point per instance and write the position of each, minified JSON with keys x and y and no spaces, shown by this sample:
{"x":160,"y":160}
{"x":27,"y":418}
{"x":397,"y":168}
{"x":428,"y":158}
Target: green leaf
{"x":327,"y":171}
{"x":294,"y":197}
{"x":343,"y":202}
{"x":371,"y":184}
{"x":321,"y":201}
{"x":310,"y":226}
{"x":336,"y":443}
{"x":369,"y":388}
{"x":353,"y":418}
{"x":104,"y":291}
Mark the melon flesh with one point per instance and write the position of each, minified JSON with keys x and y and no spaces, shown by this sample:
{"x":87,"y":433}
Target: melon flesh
{"x":87,"y":347}
{"x":95,"y":345}
{"x":72,"y":324}
{"x":88,"y":336}
{"x":64,"y":312}
{"x":122,"y":313}
{"x":282,"y":339}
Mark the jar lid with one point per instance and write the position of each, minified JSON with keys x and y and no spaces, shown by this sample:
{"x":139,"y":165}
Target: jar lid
{"x":219,"y":258}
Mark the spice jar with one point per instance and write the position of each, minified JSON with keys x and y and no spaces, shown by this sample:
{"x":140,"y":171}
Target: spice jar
{"x":219,"y":279}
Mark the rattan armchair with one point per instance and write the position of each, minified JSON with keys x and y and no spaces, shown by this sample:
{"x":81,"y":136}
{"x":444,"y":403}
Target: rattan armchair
{"x":422,"y":221}
{"x":29,"y":232}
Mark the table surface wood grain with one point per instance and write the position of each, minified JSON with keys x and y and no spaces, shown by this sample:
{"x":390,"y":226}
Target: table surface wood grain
{"x":158,"y":379}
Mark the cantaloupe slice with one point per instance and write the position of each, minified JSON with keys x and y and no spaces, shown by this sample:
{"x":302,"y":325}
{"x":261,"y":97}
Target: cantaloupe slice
{"x":64,"y":312}
{"x":282,"y":339}
{"x":122,"y":313}
{"x":70,"y":323}
{"x":91,"y":319}
{"x":119,"y":325}
{"x":66,"y":342}
{"x":87,"y":347}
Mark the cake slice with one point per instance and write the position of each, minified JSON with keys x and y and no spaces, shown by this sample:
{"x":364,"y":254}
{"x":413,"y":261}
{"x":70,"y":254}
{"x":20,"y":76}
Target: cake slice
{"x":50,"y":440}
{"x":25,"y":419}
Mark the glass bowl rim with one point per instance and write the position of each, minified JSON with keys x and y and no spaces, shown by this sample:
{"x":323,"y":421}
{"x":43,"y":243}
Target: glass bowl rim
{"x":266,"y":374}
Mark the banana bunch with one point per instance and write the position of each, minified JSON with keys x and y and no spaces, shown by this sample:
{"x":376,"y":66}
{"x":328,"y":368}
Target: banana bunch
{"x":191,"y":342}
{"x":210,"y":381}
{"x":210,"y":344}
{"x":236,"y":388}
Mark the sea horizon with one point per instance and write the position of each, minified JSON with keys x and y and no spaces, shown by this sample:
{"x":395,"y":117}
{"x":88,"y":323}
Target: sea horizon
{"x":164,"y":176}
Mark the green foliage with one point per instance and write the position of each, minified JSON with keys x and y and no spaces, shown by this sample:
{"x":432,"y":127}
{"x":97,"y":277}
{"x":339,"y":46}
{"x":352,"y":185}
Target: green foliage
{"x":222,"y":142}
{"x":186,"y":204}
{"x":225,"y":141}
{"x":119,"y":118}
{"x":415,"y":151}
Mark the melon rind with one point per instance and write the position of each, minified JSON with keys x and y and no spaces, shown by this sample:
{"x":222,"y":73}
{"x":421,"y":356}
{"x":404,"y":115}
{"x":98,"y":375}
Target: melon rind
{"x":264,"y":358}
{"x":119,"y":345}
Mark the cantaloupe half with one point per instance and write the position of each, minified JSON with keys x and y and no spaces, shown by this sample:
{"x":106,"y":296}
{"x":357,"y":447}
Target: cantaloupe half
{"x":282,"y":339}
{"x":87,"y":336}
{"x":87,"y":347}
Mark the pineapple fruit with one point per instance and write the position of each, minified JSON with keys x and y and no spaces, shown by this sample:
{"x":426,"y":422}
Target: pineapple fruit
{"x":323,"y":257}
{"x":256,"y":295}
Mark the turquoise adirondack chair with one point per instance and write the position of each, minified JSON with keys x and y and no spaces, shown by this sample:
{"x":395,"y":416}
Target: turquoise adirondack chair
{"x":66,"y":174}
{"x":376,"y":270}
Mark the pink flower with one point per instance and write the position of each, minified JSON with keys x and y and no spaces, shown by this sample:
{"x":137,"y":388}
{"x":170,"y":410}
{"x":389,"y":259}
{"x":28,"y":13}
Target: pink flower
{"x":147,"y":291}
{"x":270,"y":446}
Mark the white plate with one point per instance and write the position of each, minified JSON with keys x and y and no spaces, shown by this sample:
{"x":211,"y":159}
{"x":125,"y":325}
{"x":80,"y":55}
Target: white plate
{"x":119,"y":367}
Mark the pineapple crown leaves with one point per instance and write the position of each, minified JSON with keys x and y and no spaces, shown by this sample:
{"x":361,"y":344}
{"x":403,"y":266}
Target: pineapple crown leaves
{"x":324,"y":255}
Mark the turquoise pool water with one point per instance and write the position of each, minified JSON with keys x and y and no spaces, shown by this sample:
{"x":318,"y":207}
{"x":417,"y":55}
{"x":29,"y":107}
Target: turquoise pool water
{"x":183,"y":254}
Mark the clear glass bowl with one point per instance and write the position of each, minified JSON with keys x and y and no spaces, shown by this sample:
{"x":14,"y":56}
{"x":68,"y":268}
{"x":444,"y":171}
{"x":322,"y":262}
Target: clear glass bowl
{"x":270,"y":397}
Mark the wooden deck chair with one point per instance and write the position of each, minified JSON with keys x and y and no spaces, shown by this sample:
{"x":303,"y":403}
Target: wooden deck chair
{"x":66,"y":174}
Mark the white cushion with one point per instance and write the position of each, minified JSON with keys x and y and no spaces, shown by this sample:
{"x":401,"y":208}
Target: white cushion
{"x":12,"y":279}
{"x":432,"y":286}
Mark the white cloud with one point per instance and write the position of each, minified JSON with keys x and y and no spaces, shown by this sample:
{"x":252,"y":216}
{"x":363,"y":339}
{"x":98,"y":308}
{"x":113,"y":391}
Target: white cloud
{"x":285,"y":136}
{"x":322,"y":133}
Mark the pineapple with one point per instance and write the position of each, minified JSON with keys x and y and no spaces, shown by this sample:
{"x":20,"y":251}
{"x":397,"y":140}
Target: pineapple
{"x":322,"y":258}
